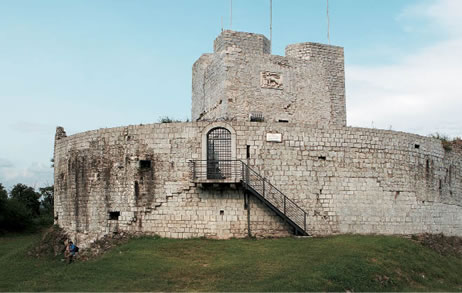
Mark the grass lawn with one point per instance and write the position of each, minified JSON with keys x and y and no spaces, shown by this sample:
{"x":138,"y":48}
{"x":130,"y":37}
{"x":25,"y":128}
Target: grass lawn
{"x":359,"y":263}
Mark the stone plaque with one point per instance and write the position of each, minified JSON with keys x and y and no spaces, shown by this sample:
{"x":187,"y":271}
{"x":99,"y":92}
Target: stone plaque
{"x":271,"y":80}
{"x":274,"y":137}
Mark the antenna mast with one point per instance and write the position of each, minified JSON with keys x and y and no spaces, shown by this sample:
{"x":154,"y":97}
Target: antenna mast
{"x":231,"y":16}
{"x":328,"y":23}
{"x":271,"y":25}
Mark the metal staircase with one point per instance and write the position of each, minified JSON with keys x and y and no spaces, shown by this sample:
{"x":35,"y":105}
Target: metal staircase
{"x":236,"y":171}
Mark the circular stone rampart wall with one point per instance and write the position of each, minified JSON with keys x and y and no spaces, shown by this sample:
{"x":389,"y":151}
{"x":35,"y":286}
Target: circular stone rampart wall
{"x":349,"y":180}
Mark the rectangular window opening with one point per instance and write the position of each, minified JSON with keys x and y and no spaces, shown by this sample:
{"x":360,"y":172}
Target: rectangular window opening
{"x":248,"y":152}
{"x":283,"y":121}
{"x":114,"y":216}
{"x":417,"y":146}
{"x":145,"y":164}
{"x":322,"y":158}
{"x":257,"y":117}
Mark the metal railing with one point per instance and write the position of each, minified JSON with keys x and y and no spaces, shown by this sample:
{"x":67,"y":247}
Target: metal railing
{"x":216,"y":170}
{"x":238,"y":171}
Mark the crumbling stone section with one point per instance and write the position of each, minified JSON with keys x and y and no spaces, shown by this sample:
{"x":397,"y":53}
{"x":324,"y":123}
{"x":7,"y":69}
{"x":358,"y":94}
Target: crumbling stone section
{"x":53,"y":243}
{"x":309,"y":88}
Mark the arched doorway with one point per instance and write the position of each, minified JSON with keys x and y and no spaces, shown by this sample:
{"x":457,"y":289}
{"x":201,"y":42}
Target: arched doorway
{"x":219,"y":153}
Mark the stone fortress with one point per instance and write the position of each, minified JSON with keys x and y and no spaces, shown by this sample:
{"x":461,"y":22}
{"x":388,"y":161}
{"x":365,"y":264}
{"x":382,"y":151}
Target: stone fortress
{"x":268,"y":154}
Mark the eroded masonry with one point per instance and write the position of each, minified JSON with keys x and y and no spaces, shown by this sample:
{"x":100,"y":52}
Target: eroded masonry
{"x":268,"y":154}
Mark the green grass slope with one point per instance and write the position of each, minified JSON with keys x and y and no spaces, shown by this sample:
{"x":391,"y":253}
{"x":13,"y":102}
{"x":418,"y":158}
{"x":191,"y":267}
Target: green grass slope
{"x":359,"y":263}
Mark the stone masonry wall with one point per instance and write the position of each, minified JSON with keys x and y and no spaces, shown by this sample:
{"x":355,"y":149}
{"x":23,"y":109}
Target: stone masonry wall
{"x":101,"y":172}
{"x":306,"y":86}
{"x":332,"y":60}
{"x":349,"y":180}
{"x":248,"y":43}
{"x":356,"y":180}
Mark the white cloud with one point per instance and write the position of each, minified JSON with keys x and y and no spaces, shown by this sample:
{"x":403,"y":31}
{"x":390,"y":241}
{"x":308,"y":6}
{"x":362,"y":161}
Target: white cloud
{"x":30,"y":127}
{"x":444,"y":14}
{"x":4,"y":163}
{"x":35,"y":175}
{"x":422,"y":93}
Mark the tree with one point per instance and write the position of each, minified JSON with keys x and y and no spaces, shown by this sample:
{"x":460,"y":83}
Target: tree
{"x":3,"y":193}
{"x":47,"y":195}
{"x":27,"y":196}
{"x":15,"y":215}
{"x":3,"y":198}
{"x":3,"y":206}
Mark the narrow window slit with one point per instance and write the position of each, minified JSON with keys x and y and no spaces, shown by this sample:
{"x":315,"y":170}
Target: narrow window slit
{"x":114,"y":216}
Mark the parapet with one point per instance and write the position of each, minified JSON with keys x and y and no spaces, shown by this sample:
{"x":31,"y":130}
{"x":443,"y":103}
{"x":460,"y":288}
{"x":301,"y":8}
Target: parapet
{"x":316,"y":51}
{"x":249,"y":43}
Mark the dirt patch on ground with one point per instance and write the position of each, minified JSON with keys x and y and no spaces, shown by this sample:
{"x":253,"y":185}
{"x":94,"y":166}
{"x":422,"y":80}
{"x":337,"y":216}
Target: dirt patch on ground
{"x":444,"y":245}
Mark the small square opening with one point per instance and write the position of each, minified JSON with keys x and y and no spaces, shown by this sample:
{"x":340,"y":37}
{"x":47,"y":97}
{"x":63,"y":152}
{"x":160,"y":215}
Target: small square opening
{"x":417,"y":146}
{"x":145,"y":164}
{"x":114,"y":216}
{"x":322,"y":158}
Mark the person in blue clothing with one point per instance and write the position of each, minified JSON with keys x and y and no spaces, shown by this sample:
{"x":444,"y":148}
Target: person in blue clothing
{"x":70,"y":251}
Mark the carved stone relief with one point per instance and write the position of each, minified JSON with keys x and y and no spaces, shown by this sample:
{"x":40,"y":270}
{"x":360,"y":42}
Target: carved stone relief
{"x":271,"y":80}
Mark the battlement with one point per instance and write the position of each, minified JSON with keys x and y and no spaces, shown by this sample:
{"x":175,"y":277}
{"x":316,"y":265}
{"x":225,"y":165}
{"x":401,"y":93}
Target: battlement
{"x":249,"y":43}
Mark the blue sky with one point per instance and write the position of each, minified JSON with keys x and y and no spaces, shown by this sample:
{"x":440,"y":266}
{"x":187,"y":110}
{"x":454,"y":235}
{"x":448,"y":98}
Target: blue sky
{"x":85,"y":65}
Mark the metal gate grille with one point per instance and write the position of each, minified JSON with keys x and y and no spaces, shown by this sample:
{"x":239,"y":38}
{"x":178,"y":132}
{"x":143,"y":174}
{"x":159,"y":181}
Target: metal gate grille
{"x":219,"y":153}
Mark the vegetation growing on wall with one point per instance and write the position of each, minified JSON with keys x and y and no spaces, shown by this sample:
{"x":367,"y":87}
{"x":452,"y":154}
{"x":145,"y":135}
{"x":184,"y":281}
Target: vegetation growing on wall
{"x":447,"y":142}
{"x":167,"y":119}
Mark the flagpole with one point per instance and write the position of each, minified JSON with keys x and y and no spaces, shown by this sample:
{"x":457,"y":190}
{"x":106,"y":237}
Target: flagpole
{"x":231,"y":16}
{"x":328,"y":23}
{"x":271,"y":25}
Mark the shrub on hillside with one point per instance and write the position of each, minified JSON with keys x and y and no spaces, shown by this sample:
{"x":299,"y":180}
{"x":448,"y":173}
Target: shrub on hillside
{"x":23,"y":210}
{"x":16,"y":217}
